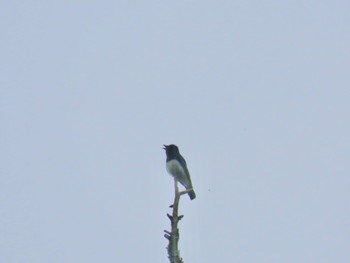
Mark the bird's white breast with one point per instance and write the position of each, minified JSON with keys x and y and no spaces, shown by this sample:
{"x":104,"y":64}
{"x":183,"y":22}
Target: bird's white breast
{"x":175,"y":169}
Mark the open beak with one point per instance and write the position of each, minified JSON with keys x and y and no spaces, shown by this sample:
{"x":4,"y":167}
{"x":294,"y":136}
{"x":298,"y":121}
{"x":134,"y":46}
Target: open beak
{"x":165,"y":146}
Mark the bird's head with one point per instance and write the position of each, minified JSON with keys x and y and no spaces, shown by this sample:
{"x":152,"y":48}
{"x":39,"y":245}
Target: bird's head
{"x":171,"y":148}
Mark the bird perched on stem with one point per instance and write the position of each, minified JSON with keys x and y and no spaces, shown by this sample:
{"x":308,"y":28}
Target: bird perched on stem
{"x":177,"y":167}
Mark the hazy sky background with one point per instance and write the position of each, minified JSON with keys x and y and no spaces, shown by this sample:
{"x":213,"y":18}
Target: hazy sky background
{"x":256,"y":94}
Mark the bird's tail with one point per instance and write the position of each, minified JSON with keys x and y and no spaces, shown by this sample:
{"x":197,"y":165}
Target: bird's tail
{"x":192,"y":194}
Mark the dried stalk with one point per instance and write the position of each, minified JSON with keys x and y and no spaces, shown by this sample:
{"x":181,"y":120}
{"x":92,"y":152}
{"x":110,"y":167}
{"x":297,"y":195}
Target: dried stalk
{"x":174,"y":236}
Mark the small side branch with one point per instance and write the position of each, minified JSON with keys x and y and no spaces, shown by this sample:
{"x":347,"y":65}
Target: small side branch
{"x":173,"y":235}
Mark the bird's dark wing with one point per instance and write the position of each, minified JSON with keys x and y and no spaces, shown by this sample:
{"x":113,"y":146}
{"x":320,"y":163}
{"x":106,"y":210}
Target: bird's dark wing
{"x":184,"y":165}
{"x":182,"y":161}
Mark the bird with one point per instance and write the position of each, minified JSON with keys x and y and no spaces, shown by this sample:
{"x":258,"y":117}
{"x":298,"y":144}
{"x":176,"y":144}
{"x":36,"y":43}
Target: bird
{"x":177,"y":167}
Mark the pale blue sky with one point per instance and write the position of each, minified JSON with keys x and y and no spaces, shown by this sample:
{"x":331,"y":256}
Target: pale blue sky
{"x":256,"y":94}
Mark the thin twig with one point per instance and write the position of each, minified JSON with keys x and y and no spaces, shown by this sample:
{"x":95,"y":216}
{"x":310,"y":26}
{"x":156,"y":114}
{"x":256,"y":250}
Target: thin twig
{"x":173,"y":236}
